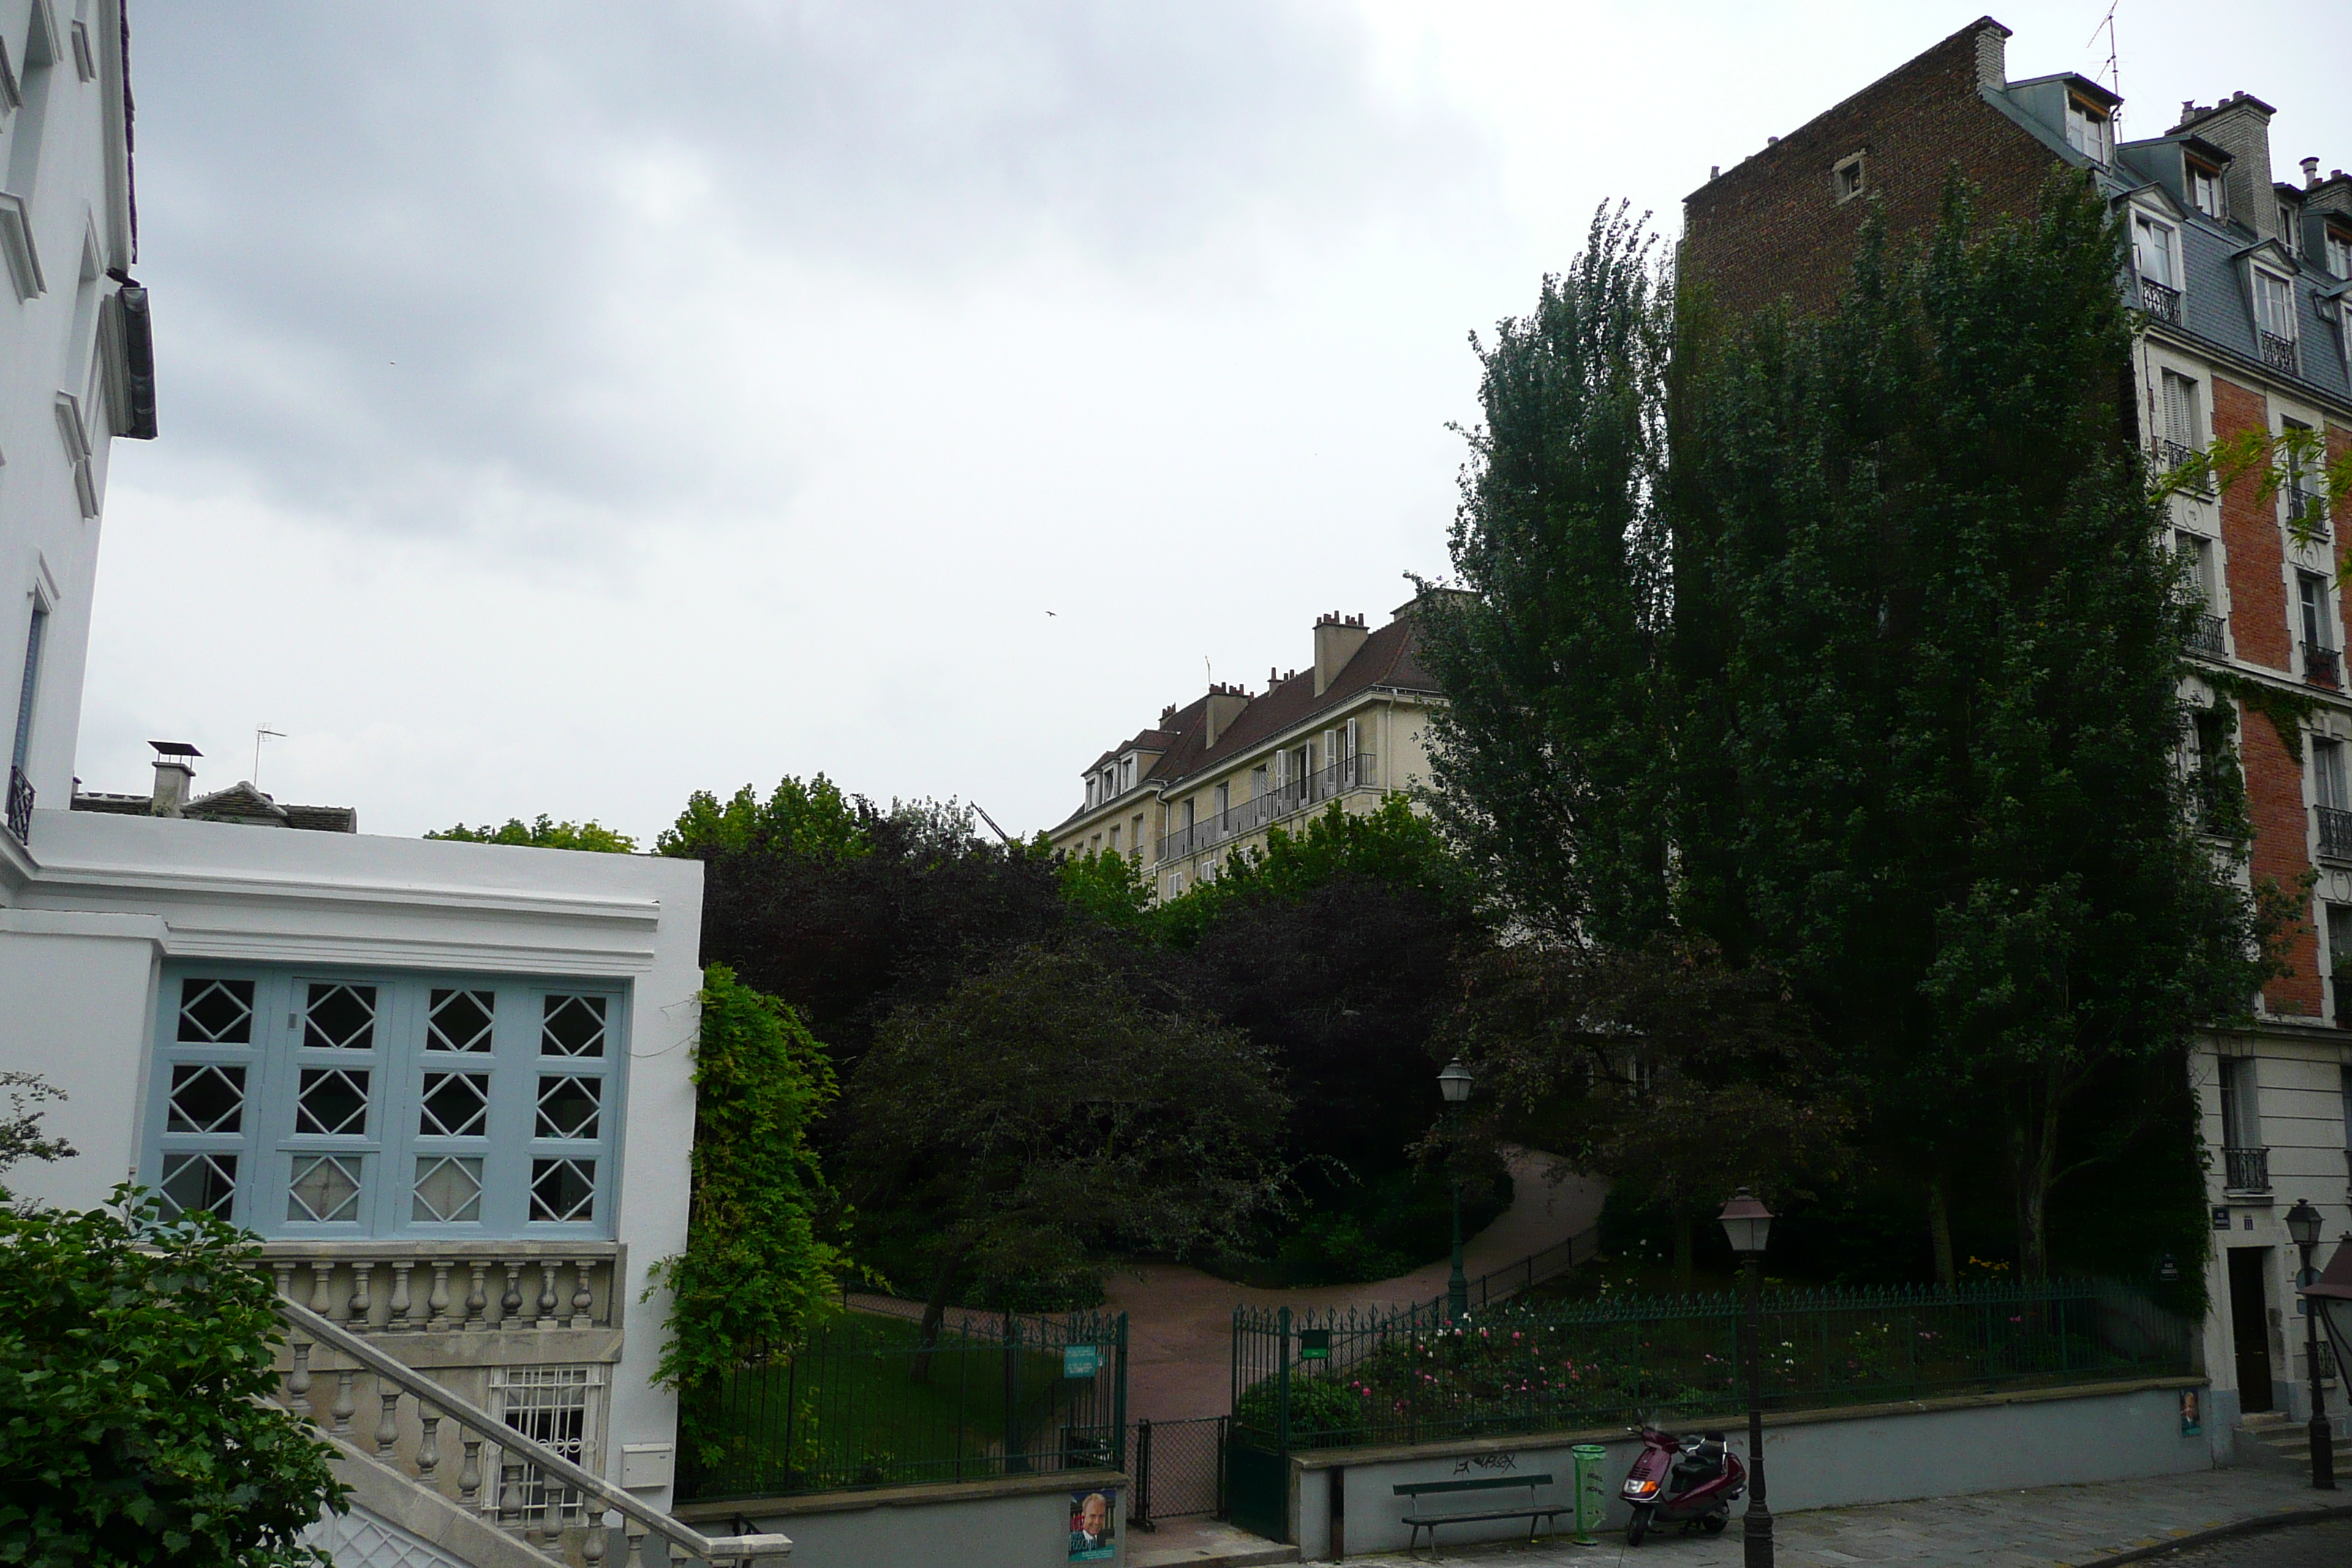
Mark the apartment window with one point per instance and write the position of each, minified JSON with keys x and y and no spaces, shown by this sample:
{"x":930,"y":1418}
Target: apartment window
{"x":2196,"y":554}
{"x":1847,"y":179}
{"x":1175,"y":883}
{"x":301,"y":1104}
{"x":2242,"y":1114}
{"x":1257,"y":783}
{"x":1224,"y":800}
{"x":1188,"y":815}
{"x":2214,"y":770}
{"x":2152,"y":251}
{"x":2090,"y":130}
{"x":2205,"y":192}
{"x":2289,"y":220}
{"x":2339,"y":962}
{"x":20,"y":753}
{"x":2343,"y":1083}
{"x":561,"y":1407}
{"x":2318,"y":623}
{"x":2274,"y":319}
{"x":2329,"y":783}
{"x":1114,"y":838}
{"x":1127,"y":773}
{"x":2184,"y":416}
{"x":1136,"y":837}
{"x":2340,"y":252}
{"x":1093,"y":785}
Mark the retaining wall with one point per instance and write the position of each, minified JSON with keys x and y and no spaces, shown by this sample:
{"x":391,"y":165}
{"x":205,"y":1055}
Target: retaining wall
{"x":1020,"y":1521}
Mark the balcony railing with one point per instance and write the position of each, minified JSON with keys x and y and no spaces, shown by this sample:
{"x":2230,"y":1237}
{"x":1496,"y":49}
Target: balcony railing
{"x":449,"y":1286}
{"x":2305,"y":512}
{"x":2246,"y":1169}
{"x":2159,"y":301}
{"x":2278,"y":352}
{"x":2206,"y":639}
{"x":1327,"y":784}
{"x":2323,"y":665}
{"x":2334,"y":832}
{"x":2174,"y":456}
{"x":20,"y":804}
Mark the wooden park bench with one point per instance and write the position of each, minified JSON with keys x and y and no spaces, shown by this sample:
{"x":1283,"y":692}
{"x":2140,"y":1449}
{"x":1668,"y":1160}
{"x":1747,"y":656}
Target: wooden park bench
{"x":1481,"y":1491}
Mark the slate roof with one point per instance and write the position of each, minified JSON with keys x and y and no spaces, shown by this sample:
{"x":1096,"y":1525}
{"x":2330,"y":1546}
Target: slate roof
{"x":239,"y":802}
{"x":1387,"y":659}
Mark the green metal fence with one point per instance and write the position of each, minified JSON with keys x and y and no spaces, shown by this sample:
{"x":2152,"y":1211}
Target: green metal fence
{"x":862,"y":1402}
{"x":1312,"y":1379}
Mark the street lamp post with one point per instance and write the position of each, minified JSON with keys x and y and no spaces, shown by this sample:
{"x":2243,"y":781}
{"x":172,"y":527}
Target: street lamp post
{"x":2302,"y":1227}
{"x":1747,"y":1223}
{"x":1455,"y":1084}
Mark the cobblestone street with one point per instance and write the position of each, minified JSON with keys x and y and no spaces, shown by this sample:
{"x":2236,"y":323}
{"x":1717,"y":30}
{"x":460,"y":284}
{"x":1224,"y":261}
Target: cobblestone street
{"x":2054,"y":1525}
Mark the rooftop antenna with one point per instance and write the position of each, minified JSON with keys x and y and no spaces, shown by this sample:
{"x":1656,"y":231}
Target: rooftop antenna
{"x":992,"y":822}
{"x":1208,"y":669}
{"x":261,"y":732}
{"x":2114,"y":71}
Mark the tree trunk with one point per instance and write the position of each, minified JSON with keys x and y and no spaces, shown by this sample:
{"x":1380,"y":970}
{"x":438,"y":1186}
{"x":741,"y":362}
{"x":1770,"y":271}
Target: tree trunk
{"x":2033,"y":1139}
{"x":935,"y":1313}
{"x":1682,"y":1262}
{"x":1940,"y":1230}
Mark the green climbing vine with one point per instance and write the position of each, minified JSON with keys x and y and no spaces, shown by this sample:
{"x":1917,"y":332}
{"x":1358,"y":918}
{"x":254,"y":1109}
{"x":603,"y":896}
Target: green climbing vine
{"x":2288,"y":711}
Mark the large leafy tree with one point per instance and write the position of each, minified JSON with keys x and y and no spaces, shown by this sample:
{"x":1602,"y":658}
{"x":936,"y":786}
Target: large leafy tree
{"x":1553,"y":758}
{"x":136,"y":1374}
{"x":1041,"y":1108}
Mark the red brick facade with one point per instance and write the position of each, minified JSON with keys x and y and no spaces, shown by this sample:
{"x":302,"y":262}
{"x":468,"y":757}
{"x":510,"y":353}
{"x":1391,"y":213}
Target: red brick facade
{"x":2274,"y":802}
{"x":1773,"y":227}
{"x":2256,"y":547}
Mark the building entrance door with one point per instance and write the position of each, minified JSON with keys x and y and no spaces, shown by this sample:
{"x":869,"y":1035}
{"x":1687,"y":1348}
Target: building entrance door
{"x":2250,"y":1332}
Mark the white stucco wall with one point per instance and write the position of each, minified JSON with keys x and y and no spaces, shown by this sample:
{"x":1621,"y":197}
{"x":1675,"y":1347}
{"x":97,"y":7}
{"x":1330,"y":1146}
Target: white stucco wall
{"x":115,"y":898}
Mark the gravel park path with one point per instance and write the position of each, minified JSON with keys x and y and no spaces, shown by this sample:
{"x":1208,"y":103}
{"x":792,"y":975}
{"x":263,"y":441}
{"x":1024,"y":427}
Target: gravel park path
{"x":1180,"y":1320}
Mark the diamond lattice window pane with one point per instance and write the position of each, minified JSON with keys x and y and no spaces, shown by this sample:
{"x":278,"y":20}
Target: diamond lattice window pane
{"x":205,"y":1098}
{"x":459,"y":1021}
{"x":216,"y":1012}
{"x":572,"y":1026}
{"x":562,"y":1189}
{"x":340,"y":1017}
{"x":568,"y":1106}
{"x":456,"y":1105}
{"x":326,"y":1187}
{"x":199,"y":1184}
{"x":332,"y":1100}
{"x":448,"y":1188}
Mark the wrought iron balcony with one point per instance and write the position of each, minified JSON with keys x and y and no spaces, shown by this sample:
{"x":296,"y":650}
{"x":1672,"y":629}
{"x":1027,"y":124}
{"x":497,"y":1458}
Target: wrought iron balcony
{"x":2278,"y":352}
{"x":20,"y":804}
{"x":2206,"y":639}
{"x":2305,"y":512}
{"x":2334,"y":832}
{"x":2323,"y":665}
{"x":2246,"y":1169}
{"x":1327,"y":784}
{"x":2174,"y":456}
{"x":2160,"y":302}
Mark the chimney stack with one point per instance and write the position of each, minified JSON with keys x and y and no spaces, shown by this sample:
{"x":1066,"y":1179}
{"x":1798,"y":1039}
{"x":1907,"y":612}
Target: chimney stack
{"x":175,"y":776}
{"x":2310,"y":172}
{"x":2241,"y":126}
{"x":1226,"y":705}
{"x":1992,"y":54}
{"x":1336,"y":638}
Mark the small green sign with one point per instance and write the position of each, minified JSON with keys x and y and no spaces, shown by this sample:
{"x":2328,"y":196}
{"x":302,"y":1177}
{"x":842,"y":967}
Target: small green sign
{"x":1313,"y":1344}
{"x":1081,"y":1361}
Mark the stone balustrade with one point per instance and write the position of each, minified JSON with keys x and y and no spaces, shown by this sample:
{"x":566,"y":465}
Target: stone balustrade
{"x":454,"y":1289}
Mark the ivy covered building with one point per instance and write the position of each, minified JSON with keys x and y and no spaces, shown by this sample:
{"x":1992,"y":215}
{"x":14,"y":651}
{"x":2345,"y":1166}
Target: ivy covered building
{"x":2242,"y":286}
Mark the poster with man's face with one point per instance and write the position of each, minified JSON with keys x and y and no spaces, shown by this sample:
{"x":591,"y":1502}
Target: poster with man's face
{"x":1091,"y":1514}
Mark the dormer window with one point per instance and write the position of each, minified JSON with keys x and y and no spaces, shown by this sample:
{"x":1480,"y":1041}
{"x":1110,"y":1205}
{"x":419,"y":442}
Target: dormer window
{"x":2205,"y":189}
{"x":2090,"y":128}
{"x":2156,"y":261}
{"x":2274,"y":320}
{"x":2339,"y":251}
{"x":2287,"y":226}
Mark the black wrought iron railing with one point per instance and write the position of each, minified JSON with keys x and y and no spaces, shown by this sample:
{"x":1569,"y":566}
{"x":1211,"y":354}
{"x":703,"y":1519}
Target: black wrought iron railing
{"x":2323,"y":665}
{"x":2161,"y":302}
{"x":2278,"y":352}
{"x":2304,"y":511}
{"x":20,"y":804}
{"x":2334,"y":832}
{"x":2246,"y":1169}
{"x":2205,"y":640}
{"x":2173,"y":456}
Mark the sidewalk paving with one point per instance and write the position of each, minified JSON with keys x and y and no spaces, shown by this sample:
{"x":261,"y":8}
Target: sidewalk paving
{"x":2038,"y":1529}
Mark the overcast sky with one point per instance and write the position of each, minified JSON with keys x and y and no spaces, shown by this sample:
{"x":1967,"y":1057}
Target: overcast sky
{"x":566,"y":408}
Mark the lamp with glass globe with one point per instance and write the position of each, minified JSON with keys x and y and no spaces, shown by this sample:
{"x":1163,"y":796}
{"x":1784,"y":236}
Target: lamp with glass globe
{"x":1453,"y":1083}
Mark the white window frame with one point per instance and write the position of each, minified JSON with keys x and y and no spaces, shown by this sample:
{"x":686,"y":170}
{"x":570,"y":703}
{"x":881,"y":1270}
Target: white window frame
{"x":2213,"y":185}
{"x":2284,"y":288}
{"x":2340,"y":252}
{"x":2168,"y":234}
{"x":2090,"y":130}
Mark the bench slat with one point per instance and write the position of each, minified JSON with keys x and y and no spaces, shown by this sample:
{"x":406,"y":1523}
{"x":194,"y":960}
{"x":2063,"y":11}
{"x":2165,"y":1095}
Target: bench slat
{"x":1415,"y":1489}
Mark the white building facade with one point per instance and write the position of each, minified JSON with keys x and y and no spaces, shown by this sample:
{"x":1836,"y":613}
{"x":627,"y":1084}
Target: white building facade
{"x":448,"y":1084}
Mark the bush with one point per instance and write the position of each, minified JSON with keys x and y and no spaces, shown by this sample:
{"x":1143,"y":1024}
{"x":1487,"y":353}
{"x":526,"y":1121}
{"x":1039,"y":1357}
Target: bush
{"x":136,"y":1352}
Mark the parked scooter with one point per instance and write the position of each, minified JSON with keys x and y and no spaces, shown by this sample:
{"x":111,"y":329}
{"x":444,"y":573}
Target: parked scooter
{"x":1690,"y":1481}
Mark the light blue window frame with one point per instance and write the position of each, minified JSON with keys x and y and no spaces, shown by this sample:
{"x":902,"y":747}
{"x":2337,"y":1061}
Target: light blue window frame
{"x":576,"y":1164}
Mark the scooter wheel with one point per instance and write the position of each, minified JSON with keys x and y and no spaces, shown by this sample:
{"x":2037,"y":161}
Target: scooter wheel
{"x":1639,"y":1528}
{"x":1713,"y":1523}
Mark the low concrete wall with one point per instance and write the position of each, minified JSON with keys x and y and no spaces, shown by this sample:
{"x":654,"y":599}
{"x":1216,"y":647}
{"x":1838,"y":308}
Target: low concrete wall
{"x":1827,"y":1458}
{"x":1017,"y":1522}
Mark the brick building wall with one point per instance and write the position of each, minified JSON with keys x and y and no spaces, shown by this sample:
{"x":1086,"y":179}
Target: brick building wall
{"x":2251,"y":539}
{"x":1773,"y":226}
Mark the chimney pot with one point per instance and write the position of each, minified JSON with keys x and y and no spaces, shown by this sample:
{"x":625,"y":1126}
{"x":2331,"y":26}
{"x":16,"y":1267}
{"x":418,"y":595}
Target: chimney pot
{"x":1715,"y":171}
{"x":2310,"y":172}
{"x":175,"y":774}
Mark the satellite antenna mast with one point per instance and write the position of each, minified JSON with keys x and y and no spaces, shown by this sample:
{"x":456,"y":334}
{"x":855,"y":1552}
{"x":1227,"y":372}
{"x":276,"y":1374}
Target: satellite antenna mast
{"x":261,"y":732}
{"x":2115,"y":70}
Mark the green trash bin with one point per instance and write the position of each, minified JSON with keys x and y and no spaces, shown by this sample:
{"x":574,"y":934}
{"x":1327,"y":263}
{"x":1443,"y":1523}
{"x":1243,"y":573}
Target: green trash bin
{"x":1592,"y":1491}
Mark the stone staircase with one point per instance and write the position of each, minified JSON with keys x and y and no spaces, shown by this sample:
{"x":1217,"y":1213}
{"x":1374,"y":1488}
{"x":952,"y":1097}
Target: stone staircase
{"x":491,"y":1498}
{"x":2273,"y":1441}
